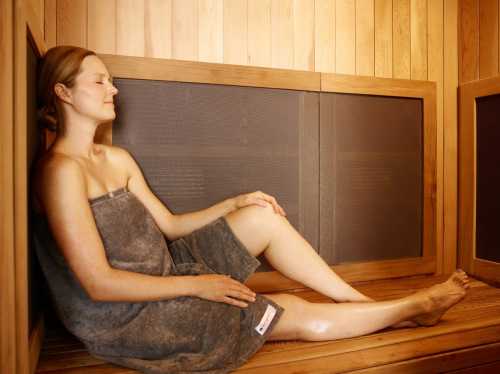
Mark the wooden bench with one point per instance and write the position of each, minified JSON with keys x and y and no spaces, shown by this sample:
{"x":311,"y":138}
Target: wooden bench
{"x":466,"y":340}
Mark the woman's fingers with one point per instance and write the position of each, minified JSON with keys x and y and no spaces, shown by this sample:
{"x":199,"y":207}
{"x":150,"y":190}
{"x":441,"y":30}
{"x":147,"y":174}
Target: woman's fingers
{"x":277,"y":208}
{"x":240,"y":295}
{"x":240,"y":287}
{"x":234,"y":302}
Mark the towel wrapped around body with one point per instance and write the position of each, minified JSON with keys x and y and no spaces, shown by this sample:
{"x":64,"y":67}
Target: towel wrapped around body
{"x":180,"y":335}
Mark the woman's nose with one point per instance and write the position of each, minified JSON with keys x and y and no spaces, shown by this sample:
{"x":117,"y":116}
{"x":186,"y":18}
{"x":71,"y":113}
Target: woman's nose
{"x":114,"y":90}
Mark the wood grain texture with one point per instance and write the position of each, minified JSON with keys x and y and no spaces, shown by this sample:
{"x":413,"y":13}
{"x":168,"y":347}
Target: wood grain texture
{"x":235,"y":32}
{"x":101,"y":26}
{"x":158,"y":28}
{"x":450,"y":118}
{"x":282,"y":33}
{"x":383,"y":38}
{"x":20,"y":180}
{"x":418,"y":28}
{"x":467,"y":178}
{"x":365,"y":37}
{"x":37,"y":7}
{"x":468,"y":40}
{"x":375,"y":85}
{"x":455,"y":343}
{"x":72,"y":22}
{"x":435,"y":49}
{"x":35,"y":26}
{"x":204,"y":72}
{"x":185,"y":29}
{"x":303,"y":35}
{"x":50,"y":24}
{"x":345,"y":37}
{"x":401,"y":39}
{"x":259,"y":33}
{"x":130,"y":27}
{"x":488,"y":38}
{"x":324,"y":40}
{"x":210,"y":32}
{"x":7,"y":254}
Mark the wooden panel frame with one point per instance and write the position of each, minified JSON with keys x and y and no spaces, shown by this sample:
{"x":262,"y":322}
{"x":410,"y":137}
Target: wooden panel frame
{"x":201,"y":72}
{"x":27,"y":29}
{"x":432,"y":240}
{"x":7,"y":262}
{"x":488,"y":271}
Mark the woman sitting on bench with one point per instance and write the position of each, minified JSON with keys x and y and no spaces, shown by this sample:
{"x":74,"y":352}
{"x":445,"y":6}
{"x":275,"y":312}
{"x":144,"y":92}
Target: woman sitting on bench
{"x":182,"y":307}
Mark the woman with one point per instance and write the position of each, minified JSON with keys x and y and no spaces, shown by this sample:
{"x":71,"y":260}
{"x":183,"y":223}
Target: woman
{"x":183,"y":308}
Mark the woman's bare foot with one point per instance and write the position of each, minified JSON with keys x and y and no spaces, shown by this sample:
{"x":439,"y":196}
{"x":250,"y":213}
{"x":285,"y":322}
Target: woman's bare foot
{"x":441,"y":297}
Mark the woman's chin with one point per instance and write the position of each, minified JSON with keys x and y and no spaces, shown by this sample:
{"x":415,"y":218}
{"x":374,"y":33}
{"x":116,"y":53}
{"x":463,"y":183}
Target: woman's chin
{"x":107,"y":119}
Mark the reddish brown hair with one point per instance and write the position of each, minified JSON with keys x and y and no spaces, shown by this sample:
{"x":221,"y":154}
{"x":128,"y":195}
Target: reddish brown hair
{"x":60,"y":64}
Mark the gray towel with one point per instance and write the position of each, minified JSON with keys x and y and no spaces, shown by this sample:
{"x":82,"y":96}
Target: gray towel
{"x":181,"y":335}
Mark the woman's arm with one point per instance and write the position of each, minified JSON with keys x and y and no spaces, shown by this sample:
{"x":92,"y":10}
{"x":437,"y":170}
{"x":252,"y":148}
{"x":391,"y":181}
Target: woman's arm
{"x":63,"y":195}
{"x":188,"y":222}
{"x":172,"y":226}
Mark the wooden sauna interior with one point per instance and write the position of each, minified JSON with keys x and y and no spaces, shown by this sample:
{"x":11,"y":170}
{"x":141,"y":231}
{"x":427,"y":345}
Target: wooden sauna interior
{"x":372,"y":122}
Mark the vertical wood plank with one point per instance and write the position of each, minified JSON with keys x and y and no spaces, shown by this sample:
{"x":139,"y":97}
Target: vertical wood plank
{"x":235,"y":32}
{"x":435,"y":72}
{"x":130,"y":27}
{"x":7,"y":253}
{"x":210,"y":34}
{"x":324,"y":36}
{"x":102,"y":26}
{"x":20,"y":162}
{"x":469,"y":41}
{"x":383,"y":38}
{"x":488,"y":38}
{"x":158,"y":28}
{"x":345,"y":37}
{"x":72,"y":22}
{"x":303,"y":36}
{"x":38,"y":9}
{"x":401,"y":38}
{"x":42,"y":12}
{"x":259,"y":33}
{"x":282,"y":46}
{"x":365,"y":37}
{"x":185,"y":30}
{"x":418,"y":29}
{"x":50,"y":23}
{"x":450,"y":76}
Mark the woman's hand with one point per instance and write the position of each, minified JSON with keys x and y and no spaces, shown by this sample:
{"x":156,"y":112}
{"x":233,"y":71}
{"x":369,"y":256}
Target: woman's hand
{"x":224,"y":289}
{"x":258,"y":198}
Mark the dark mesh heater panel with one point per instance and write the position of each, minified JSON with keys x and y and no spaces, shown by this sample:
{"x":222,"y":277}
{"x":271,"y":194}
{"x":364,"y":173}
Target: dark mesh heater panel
{"x":199,"y":144}
{"x":371,"y":152}
{"x":488,"y":178}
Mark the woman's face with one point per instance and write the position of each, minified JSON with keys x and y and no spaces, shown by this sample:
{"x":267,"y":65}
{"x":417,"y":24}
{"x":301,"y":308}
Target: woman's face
{"x":93,"y":91}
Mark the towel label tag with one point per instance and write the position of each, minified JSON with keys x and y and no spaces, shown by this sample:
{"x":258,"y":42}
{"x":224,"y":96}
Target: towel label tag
{"x":266,"y":319}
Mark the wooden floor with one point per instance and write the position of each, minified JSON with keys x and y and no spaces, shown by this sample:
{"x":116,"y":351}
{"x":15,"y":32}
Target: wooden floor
{"x":467,"y":337}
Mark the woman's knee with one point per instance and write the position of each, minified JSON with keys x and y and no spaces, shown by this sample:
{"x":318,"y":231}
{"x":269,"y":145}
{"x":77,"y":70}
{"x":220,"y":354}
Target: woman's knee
{"x":289,"y":326}
{"x":260,"y":213}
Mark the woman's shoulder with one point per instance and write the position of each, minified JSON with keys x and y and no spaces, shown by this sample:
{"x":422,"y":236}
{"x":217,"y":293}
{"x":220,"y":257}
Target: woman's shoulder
{"x":51,"y":168}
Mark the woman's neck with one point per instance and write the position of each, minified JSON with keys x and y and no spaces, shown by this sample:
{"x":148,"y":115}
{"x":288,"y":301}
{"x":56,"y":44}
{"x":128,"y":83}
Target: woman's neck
{"x":77,"y":141}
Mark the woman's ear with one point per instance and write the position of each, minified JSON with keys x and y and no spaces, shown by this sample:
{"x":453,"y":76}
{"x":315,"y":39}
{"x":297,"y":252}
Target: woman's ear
{"x":62,"y":92}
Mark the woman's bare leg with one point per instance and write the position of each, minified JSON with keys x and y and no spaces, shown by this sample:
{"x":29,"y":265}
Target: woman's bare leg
{"x":313,"y":321}
{"x":262,"y":230}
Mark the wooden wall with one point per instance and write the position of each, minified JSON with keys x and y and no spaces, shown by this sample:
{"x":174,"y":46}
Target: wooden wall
{"x":383,"y":38}
{"x":478,"y":39}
